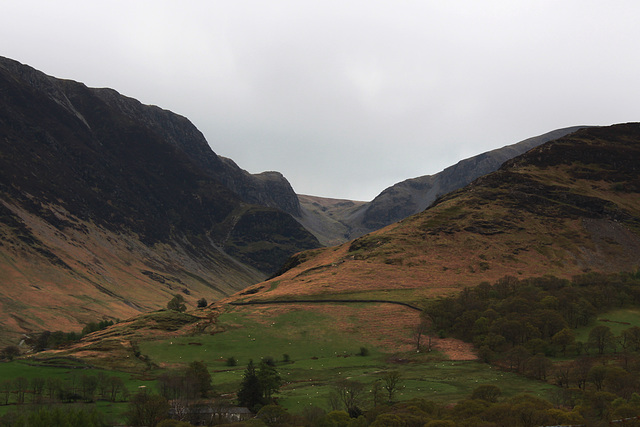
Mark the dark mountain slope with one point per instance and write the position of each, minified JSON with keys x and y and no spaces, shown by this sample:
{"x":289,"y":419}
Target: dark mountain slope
{"x":566,"y":207}
{"x":100,"y":191}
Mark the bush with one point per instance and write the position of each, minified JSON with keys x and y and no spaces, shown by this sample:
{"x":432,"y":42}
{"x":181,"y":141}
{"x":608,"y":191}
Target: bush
{"x":9,"y":352}
{"x":488,"y":392}
{"x":177,"y":304}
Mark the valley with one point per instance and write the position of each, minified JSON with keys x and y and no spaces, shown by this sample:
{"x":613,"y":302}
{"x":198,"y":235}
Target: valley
{"x":452,"y":299}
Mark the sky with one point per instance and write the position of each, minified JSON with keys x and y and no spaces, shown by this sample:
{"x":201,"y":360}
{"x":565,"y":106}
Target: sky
{"x":346,"y":98}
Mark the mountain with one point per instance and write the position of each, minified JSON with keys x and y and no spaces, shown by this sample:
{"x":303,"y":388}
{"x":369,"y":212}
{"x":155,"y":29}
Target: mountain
{"x":108,"y":207}
{"x":337,"y":221}
{"x":566,"y":207}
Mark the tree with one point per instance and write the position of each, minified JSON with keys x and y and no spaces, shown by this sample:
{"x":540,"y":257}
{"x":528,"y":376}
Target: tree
{"x":516,"y":357}
{"x":6,"y":387}
{"x":88,"y":385}
{"x":419,"y":331}
{"x":273,"y":415}
{"x":116,"y":387}
{"x":488,"y":392}
{"x":377,"y":394}
{"x":200,"y":374}
{"x":538,"y":366}
{"x":202,"y":303}
{"x":597,"y":375}
{"x":563,"y":339}
{"x":269,"y":380}
{"x":9,"y":352}
{"x":146,"y":409}
{"x":178,"y":384}
{"x":37,"y":388}
{"x":53,"y":387}
{"x":601,"y":337}
{"x":631,"y":338}
{"x":21,"y":385}
{"x":580,"y":371}
{"x":349,"y":393}
{"x":250,"y":394}
{"x":177,"y":304}
{"x":61,"y":417}
{"x":392,"y":380}
{"x":42,"y":342}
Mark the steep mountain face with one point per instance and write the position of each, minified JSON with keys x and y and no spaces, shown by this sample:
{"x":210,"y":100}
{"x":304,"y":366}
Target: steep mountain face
{"x":567,"y":207}
{"x":108,"y":207}
{"x":410,"y":196}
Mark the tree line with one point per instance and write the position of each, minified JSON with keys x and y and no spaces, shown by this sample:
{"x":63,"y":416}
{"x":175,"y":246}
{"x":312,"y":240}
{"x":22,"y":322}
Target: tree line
{"x":74,"y":388}
{"x":515,"y":318}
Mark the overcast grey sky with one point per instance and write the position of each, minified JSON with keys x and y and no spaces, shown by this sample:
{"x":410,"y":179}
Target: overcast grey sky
{"x":346,"y":98}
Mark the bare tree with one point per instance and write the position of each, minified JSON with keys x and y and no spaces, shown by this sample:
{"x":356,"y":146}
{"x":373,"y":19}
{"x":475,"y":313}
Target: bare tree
{"x":350,"y":393}
{"x":419,"y":331}
{"x":392,"y":380}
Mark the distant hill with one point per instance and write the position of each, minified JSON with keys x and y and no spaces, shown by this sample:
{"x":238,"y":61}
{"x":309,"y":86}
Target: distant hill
{"x":336,"y":222}
{"x":567,"y":207}
{"x":108,"y":207}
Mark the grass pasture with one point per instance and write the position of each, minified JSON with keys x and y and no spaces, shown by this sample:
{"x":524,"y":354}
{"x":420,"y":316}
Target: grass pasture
{"x":617,"y":321}
{"x":71,"y":373}
{"x":319,"y":357}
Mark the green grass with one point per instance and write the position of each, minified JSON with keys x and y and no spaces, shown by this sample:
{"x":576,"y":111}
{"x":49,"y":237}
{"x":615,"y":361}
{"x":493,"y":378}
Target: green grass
{"x":295,"y":333}
{"x":319,"y":357}
{"x":617,"y":320}
{"x":22,"y":368}
{"x":318,"y":361}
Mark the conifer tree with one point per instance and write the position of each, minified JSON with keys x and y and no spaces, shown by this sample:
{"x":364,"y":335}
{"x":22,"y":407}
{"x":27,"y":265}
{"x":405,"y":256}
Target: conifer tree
{"x":250,"y":394}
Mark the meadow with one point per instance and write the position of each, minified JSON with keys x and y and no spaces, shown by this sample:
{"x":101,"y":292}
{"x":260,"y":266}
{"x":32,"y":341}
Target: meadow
{"x":616,"y":320}
{"x":311,"y":360}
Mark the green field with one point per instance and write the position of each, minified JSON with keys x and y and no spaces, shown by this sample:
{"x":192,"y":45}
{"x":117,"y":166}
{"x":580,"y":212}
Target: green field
{"x":320,"y":358}
{"x":617,"y":320}
{"x":9,"y":371}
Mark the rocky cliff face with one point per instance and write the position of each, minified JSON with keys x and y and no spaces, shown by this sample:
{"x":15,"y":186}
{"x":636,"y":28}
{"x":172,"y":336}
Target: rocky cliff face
{"x":113,"y":206}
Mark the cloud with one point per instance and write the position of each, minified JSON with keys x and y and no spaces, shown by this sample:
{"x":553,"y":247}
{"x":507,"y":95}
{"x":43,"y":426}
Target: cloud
{"x":347,"y":98}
